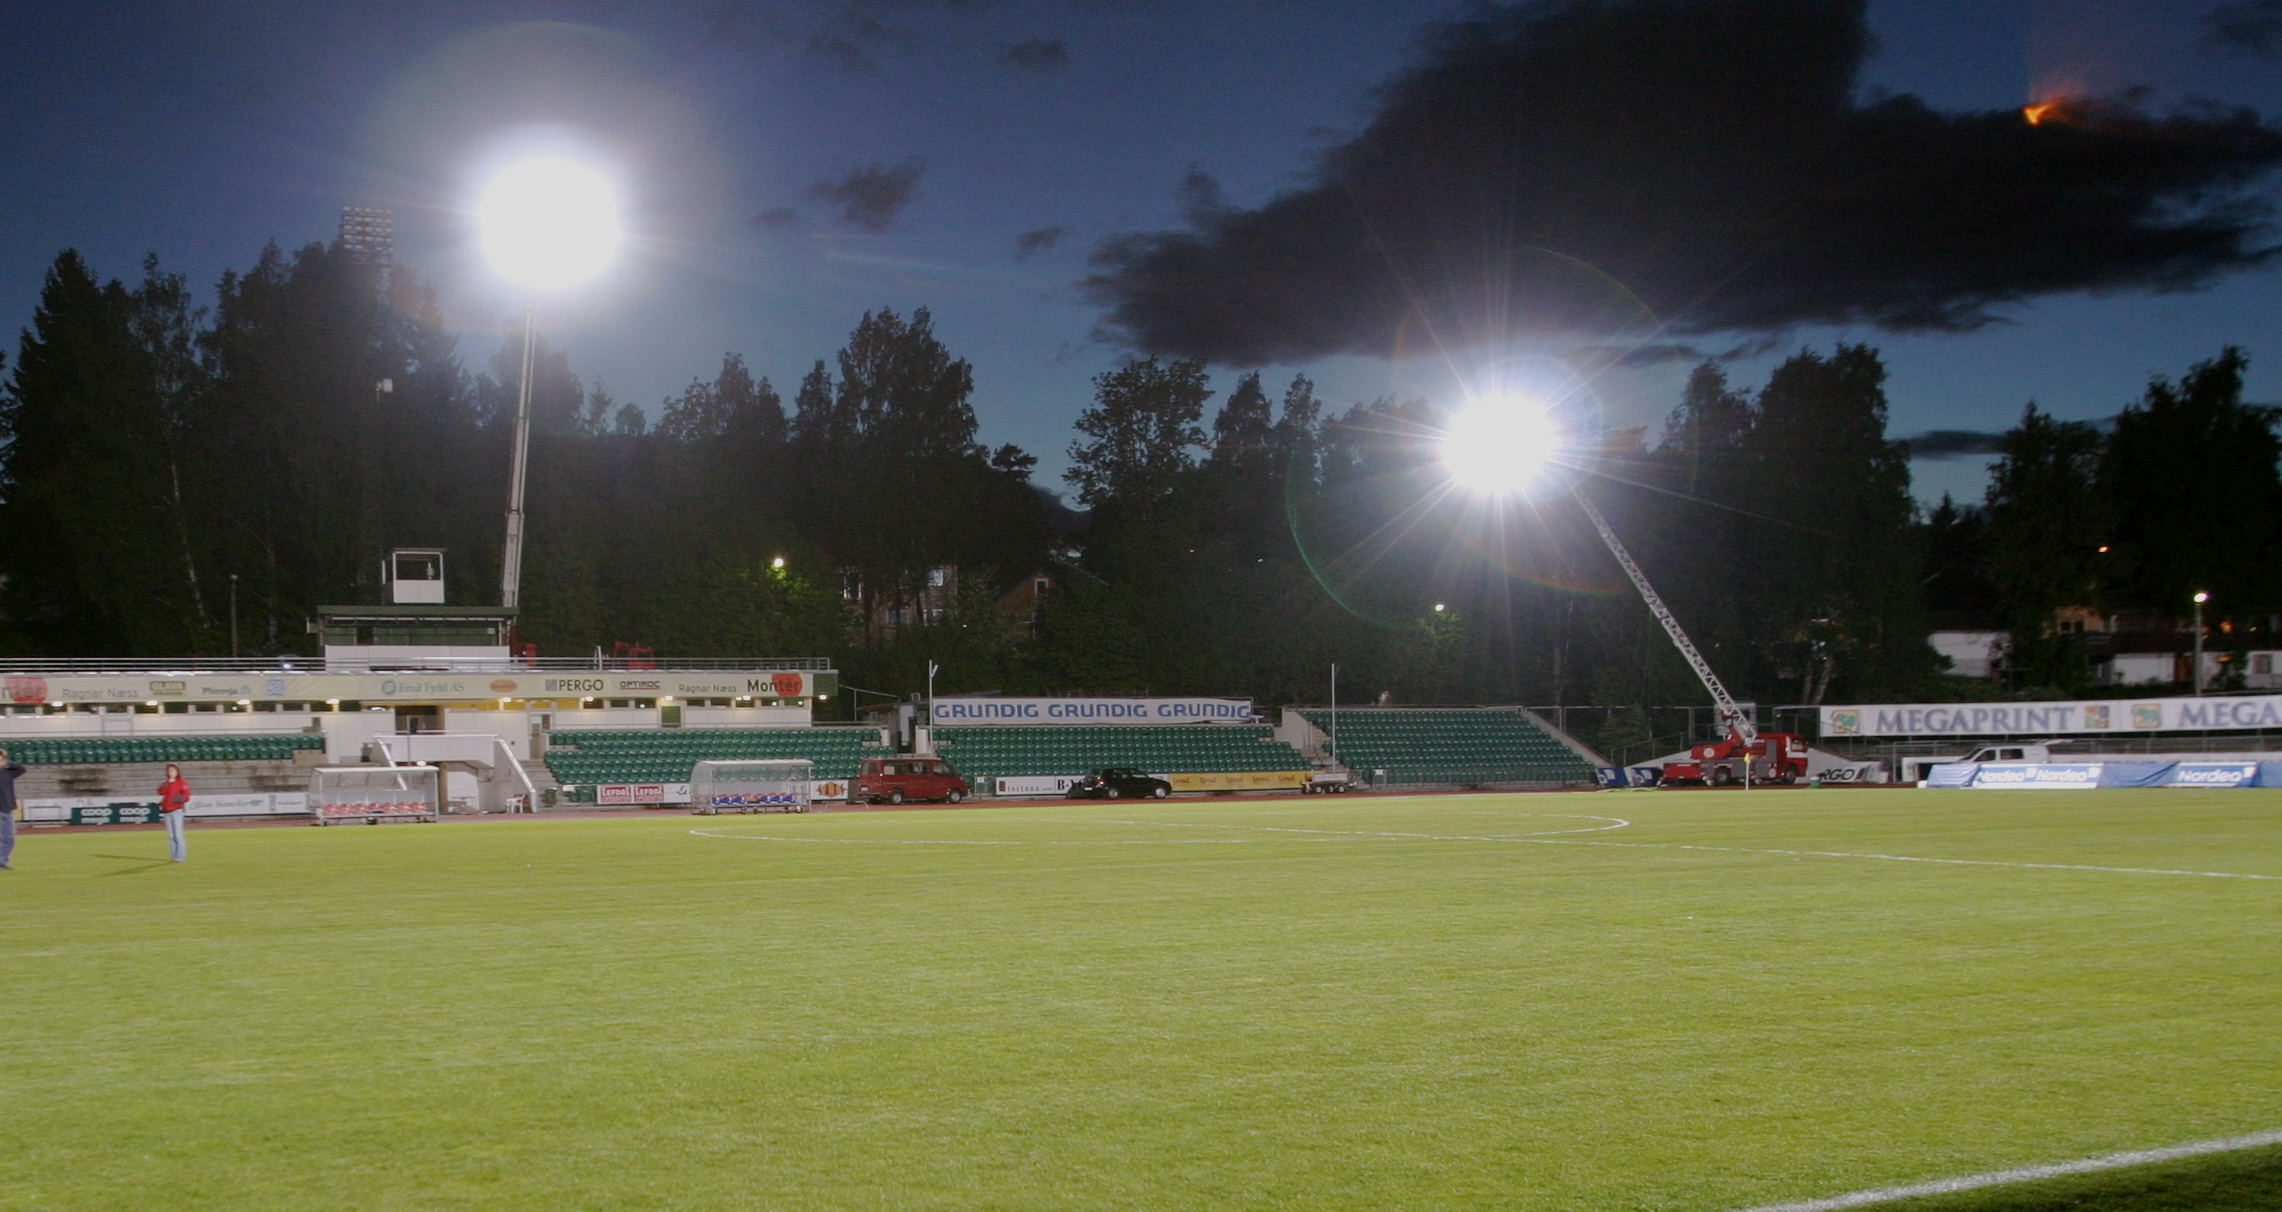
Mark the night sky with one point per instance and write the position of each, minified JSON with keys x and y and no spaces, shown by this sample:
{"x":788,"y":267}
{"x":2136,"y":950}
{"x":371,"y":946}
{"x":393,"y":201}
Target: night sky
{"x":788,"y":166}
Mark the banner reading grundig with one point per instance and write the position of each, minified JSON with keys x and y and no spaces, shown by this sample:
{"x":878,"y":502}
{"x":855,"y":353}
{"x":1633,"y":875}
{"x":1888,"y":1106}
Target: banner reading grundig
{"x":2034,"y":719}
{"x":1092,"y":711}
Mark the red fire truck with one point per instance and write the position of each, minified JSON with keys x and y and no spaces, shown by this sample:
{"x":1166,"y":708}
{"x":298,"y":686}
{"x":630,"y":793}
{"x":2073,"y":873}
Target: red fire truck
{"x":1775,"y":757}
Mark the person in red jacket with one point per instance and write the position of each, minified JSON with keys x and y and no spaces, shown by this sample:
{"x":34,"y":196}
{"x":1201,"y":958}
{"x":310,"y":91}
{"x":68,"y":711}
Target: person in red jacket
{"x":173,"y":799}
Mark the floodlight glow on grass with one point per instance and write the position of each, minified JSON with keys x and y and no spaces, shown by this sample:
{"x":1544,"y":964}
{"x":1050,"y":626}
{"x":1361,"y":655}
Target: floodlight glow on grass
{"x":1500,"y":444}
{"x":548,"y":223}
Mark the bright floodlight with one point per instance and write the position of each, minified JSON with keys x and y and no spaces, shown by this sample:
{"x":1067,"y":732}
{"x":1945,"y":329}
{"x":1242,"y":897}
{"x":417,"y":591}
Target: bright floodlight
{"x":548,"y":223}
{"x":1500,"y":444}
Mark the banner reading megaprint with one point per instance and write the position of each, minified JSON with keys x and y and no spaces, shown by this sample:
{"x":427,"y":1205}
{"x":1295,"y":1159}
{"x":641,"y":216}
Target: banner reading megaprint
{"x":952,"y":712}
{"x":2036,"y":719}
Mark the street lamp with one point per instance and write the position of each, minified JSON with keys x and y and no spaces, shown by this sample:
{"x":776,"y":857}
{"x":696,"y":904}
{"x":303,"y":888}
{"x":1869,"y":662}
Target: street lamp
{"x":547,"y":223}
{"x":2200,"y":598}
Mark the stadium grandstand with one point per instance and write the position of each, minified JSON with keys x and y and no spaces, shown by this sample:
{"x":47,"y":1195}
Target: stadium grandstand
{"x":585,"y":762}
{"x":416,"y":681}
{"x":1476,"y":746}
{"x":1178,"y":749}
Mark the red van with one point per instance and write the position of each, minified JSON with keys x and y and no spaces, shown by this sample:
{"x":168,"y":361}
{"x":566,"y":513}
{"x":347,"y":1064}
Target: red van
{"x":912,"y":777}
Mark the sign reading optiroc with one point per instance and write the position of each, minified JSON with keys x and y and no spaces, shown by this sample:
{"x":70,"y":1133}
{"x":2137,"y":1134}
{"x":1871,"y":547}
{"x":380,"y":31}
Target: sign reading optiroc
{"x":1092,"y":711}
{"x":2028,"y":719}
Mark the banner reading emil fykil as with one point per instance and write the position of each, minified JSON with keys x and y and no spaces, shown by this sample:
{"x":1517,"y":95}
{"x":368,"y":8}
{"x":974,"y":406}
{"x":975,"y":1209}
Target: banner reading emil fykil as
{"x":955,"y":712}
{"x":2081,"y":717}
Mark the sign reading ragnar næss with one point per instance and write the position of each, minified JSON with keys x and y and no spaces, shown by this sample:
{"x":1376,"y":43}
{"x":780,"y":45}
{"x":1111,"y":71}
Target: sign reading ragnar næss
{"x":954,"y":712}
{"x":2081,"y":716}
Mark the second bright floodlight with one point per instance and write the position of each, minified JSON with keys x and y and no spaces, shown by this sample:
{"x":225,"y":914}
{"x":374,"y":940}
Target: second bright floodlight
{"x":1500,"y":444}
{"x":548,"y":222}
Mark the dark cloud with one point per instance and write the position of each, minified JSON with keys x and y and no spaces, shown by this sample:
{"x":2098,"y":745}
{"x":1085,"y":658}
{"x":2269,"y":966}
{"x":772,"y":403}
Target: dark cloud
{"x":2251,"y":26}
{"x":1044,"y":56}
{"x":1041,"y":240}
{"x":845,"y":33}
{"x":775,"y":217}
{"x":871,"y":195}
{"x":1705,"y":165}
{"x":1652,"y":353}
{"x":1952,"y":443}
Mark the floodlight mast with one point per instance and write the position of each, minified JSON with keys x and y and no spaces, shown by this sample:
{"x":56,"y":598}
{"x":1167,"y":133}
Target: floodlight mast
{"x":511,"y":559}
{"x":1730,"y":714}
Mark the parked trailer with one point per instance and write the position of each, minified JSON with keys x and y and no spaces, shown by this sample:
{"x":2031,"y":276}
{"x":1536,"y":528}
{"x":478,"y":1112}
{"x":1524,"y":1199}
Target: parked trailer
{"x":722,"y":786}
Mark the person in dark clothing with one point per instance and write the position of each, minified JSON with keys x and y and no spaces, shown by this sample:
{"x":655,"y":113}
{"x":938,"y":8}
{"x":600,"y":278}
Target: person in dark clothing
{"x":9,"y":769}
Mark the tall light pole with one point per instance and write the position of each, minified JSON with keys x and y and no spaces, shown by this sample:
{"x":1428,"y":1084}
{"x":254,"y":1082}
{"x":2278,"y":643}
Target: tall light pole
{"x":511,"y":554}
{"x":2200,"y":598}
{"x":547,"y":223}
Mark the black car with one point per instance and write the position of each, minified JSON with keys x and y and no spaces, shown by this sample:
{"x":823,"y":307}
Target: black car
{"x":1120,"y":783}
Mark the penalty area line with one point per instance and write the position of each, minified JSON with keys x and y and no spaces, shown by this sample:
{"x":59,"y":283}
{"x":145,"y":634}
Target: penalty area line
{"x":2027,"y":1174}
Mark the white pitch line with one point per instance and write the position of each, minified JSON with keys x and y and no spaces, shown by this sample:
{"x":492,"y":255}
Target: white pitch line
{"x":1913,"y":858}
{"x":1615,"y":822}
{"x":1999,"y":1178}
{"x":1550,"y":837}
{"x":938,"y":841}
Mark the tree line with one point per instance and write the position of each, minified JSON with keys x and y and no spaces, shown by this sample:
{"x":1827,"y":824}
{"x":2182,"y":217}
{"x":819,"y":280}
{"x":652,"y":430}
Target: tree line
{"x":160,"y":455}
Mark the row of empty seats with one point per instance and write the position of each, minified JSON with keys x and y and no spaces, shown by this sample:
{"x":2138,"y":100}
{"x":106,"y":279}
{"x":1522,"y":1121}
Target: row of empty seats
{"x":666,"y":755}
{"x":1476,"y":745}
{"x":984,"y":753}
{"x":107,"y":751}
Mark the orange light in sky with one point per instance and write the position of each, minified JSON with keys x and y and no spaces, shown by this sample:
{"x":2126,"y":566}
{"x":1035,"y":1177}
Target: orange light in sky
{"x":2037,"y":113}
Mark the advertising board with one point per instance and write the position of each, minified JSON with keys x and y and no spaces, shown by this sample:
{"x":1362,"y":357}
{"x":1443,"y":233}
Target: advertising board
{"x":1089,"y":712}
{"x":2112,"y":774}
{"x":1241,"y":780}
{"x":2068,"y":717}
{"x":646,"y":795}
{"x":2051,"y":776}
{"x":98,"y":810}
{"x":632,"y":794}
{"x":1041,"y":784}
{"x":2214,"y":774}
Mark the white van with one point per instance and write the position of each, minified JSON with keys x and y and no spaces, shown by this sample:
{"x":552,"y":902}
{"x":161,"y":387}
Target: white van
{"x":1915,"y":769}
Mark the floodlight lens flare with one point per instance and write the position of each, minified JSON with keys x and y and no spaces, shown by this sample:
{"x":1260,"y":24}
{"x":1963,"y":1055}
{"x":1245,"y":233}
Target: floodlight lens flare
{"x":548,"y":223}
{"x":1499,"y":445}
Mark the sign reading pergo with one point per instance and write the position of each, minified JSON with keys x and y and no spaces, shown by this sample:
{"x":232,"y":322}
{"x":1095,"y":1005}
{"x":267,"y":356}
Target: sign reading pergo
{"x":2092,"y":716}
{"x":950,"y":712}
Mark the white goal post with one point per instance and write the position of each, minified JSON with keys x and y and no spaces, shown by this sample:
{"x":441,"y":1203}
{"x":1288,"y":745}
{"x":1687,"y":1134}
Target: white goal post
{"x":370,"y":795}
{"x":717,"y":786}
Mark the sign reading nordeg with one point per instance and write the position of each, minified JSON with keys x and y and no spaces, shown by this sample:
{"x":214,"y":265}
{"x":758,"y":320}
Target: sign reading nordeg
{"x":953,"y":712}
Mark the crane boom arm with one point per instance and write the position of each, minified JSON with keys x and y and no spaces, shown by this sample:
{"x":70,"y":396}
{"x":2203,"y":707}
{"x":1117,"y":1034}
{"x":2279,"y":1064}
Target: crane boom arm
{"x":1730,"y":714}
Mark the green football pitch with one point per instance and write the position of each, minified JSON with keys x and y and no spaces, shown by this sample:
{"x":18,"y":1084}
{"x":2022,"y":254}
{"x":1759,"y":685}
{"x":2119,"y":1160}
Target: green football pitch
{"x":1679,"y":1001}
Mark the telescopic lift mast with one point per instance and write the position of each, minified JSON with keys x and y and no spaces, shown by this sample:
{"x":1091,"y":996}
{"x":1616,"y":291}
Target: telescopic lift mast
{"x":1731,"y":716}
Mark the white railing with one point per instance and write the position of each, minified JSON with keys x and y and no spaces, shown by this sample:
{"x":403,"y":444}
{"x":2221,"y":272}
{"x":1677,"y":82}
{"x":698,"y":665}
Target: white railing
{"x":180,"y":666}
